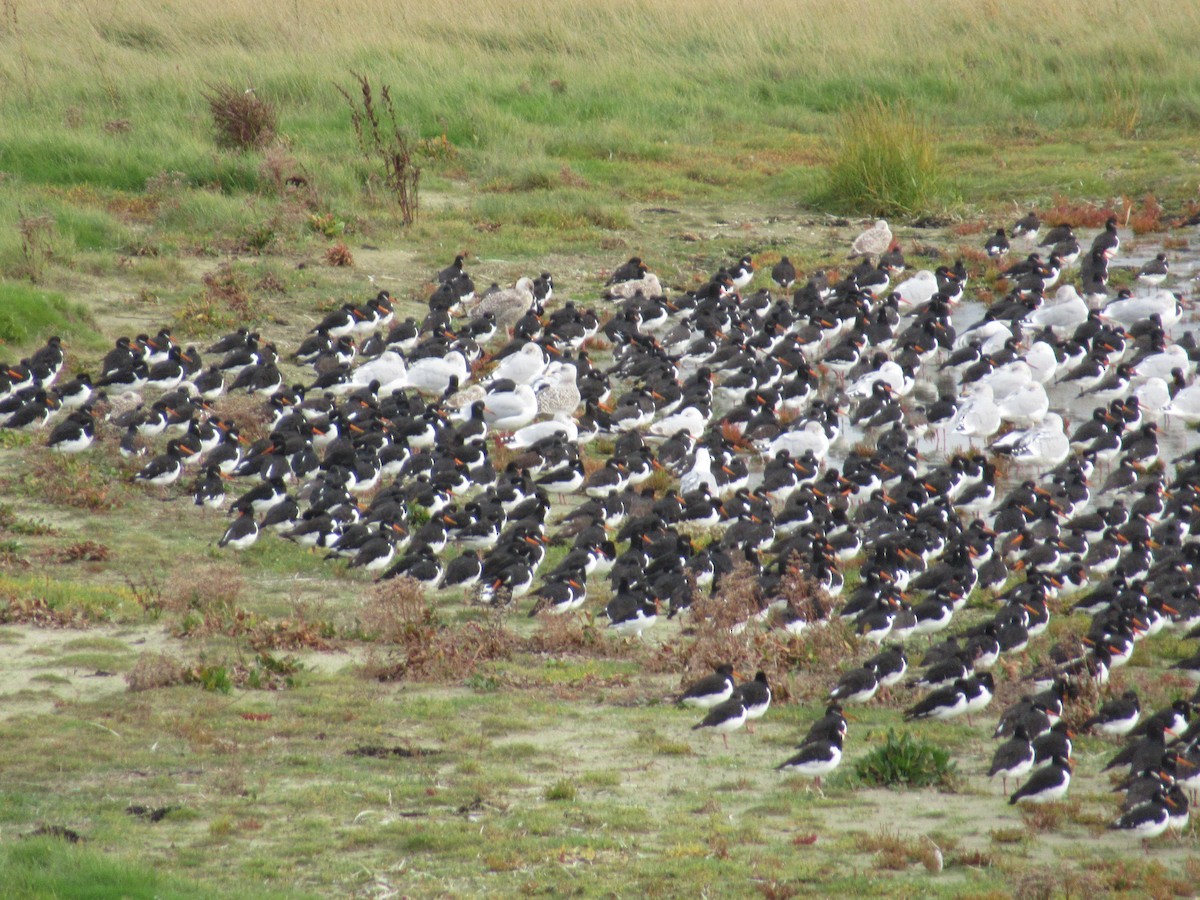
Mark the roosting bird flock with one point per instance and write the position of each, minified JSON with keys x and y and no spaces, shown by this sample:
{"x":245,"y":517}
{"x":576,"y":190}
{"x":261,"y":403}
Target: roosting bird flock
{"x":787,"y":422}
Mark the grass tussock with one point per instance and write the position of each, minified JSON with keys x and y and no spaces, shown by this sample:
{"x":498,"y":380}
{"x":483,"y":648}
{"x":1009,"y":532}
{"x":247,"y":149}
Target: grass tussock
{"x":155,"y":670}
{"x":563,"y":790}
{"x":883,"y":162}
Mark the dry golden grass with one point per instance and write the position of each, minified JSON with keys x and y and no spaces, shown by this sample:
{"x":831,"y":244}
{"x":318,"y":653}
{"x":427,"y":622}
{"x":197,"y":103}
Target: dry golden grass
{"x":200,"y":585}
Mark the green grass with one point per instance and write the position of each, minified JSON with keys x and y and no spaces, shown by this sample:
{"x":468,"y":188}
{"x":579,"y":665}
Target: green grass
{"x":46,"y":867}
{"x":29,"y":314}
{"x":549,"y":130}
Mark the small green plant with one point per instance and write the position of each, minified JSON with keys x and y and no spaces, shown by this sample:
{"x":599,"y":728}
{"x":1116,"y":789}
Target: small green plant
{"x":564,"y":789}
{"x":10,"y":521}
{"x":883,"y":161}
{"x":241,"y":119}
{"x":258,"y":238}
{"x":485,"y":684}
{"x":271,"y":673}
{"x":11,"y":551}
{"x":328,"y":224}
{"x":214,"y":678}
{"x":906,"y":762}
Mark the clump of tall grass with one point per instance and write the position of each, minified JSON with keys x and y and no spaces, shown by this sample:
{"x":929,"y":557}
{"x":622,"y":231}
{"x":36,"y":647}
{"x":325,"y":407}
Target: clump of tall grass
{"x":883,"y":161}
{"x":241,"y":119}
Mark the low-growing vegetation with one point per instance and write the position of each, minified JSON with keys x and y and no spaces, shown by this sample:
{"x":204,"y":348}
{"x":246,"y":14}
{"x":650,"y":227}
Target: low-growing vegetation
{"x":274,"y":723}
{"x":905,"y":761}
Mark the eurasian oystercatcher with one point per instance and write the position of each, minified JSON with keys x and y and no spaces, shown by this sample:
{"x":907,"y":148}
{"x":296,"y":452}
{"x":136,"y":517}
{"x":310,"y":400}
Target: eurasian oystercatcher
{"x":727,"y":716}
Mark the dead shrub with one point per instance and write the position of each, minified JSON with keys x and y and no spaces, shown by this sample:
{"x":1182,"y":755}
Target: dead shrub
{"x":36,"y":611}
{"x":437,"y":148}
{"x":425,"y":649}
{"x":1143,"y":878}
{"x":1083,"y":703}
{"x":202,"y":587}
{"x":12,"y":555}
{"x":1064,"y":211}
{"x":385,"y":143}
{"x":287,"y":176}
{"x":146,"y":592}
{"x":778,"y":890}
{"x":155,"y":670}
{"x":248,"y":413}
{"x":224,"y":302}
{"x":38,"y":235}
{"x":1147,"y":216}
{"x":567,"y":634}
{"x":395,"y":611}
{"x":292,"y":634}
{"x":84,"y":551}
{"x":227,"y":286}
{"x":893,"y":851}
{"x":456,"y":652}
{"x":969,"y":227}
{"x":241,"y":119}
{"x":1141,"y":216}
{"x":796,"y":667}
{"x":270,"y":283}
{"x":339,"y":255}
{"x":267,"y":673}
{"x":570,"y":178}
{"x":1040,"y":817}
